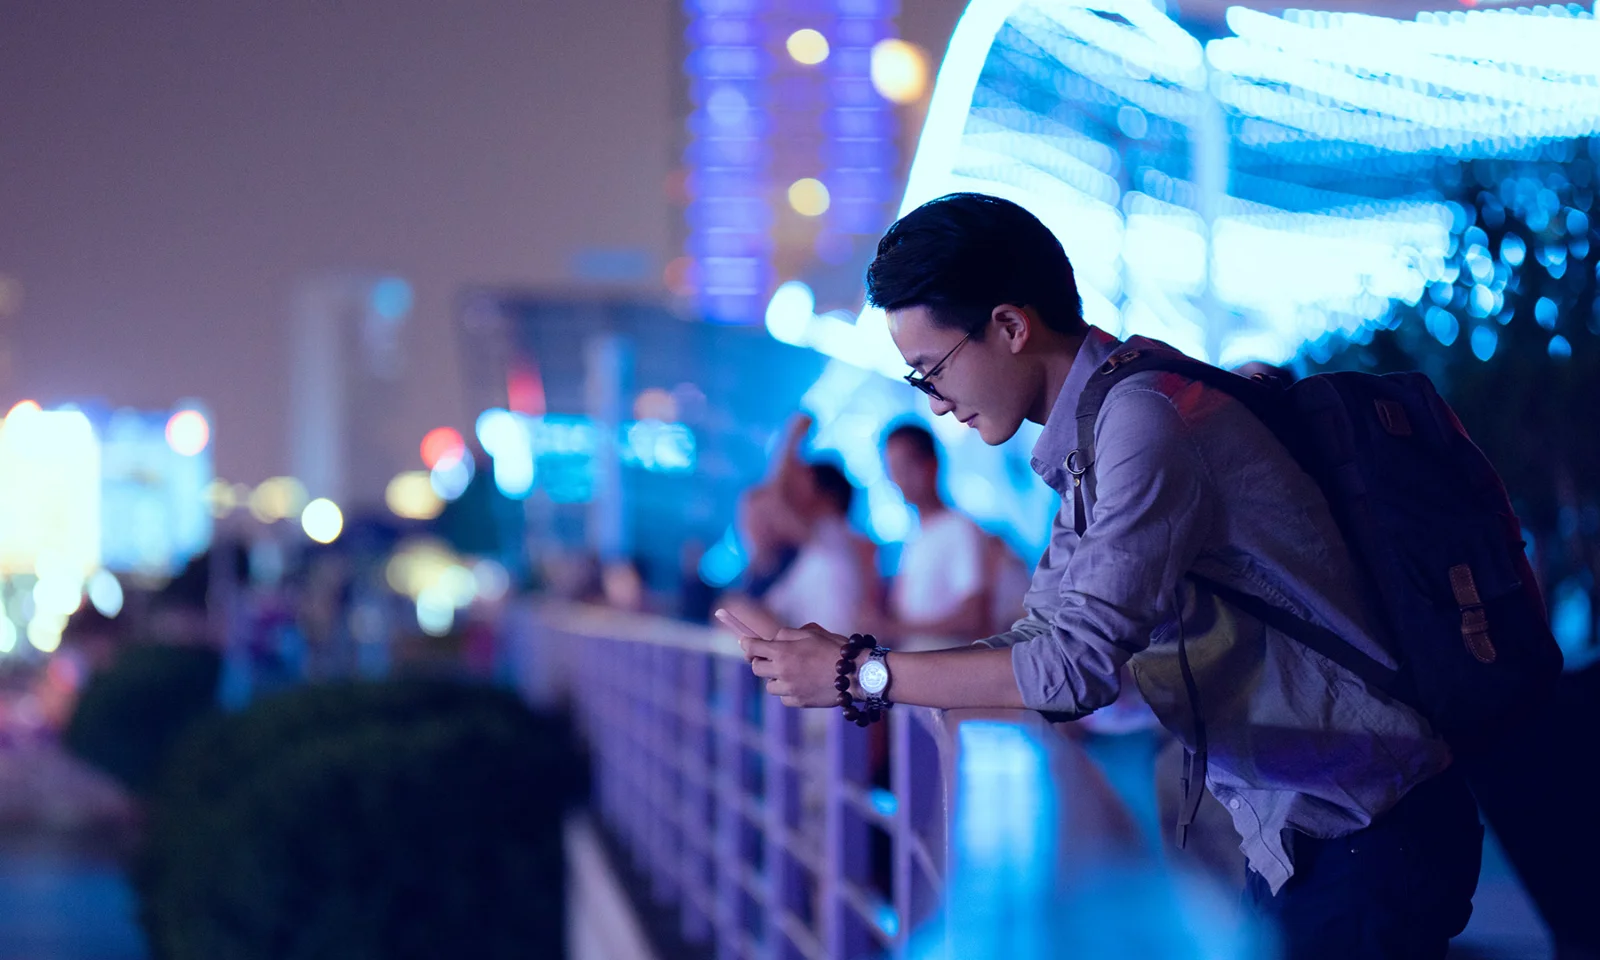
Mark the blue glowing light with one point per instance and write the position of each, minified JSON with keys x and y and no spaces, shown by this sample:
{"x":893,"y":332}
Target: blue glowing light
{"x":724,"y":561}
{"x":1546,"y":313}
{"x":1571,"y":621}
{"x":728,"y":159}
{"x":1560,"y":348}
{"x":1442,"y":324}
{"x":1484,"y":340}
{"x":391,"y":298}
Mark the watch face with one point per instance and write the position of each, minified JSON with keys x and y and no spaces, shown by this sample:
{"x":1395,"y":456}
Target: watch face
{"x":874,"y":676}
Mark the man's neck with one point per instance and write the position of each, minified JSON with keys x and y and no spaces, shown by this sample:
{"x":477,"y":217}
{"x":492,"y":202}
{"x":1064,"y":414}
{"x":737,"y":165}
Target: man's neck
{"x":1057,"y":365}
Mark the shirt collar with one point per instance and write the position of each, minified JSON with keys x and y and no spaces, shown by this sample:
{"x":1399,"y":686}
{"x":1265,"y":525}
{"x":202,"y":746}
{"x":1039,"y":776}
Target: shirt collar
{"x":1060,"y":434}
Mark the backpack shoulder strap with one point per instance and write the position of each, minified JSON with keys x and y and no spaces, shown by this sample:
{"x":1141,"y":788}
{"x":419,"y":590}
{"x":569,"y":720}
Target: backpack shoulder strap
{"x":1139,"y":354}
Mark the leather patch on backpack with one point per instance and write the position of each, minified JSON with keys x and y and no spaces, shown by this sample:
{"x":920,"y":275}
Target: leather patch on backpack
{"x":1474,"y":620}
{"x":1393,"y":417}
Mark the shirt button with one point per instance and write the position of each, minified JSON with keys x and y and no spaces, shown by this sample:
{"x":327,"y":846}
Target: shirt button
{"x":1233,"y":804}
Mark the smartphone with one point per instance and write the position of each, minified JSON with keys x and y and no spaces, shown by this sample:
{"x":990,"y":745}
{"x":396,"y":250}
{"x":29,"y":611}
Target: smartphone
{"x":737,"y":626}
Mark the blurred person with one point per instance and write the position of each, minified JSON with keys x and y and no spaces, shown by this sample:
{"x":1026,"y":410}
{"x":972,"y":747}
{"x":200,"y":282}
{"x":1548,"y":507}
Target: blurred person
{"x":943,"y":586}
{"x":770,"y":522}
{"x":623,"y":584}
{"x":772,"y":532}
{"x":1361,"y":838}
{"x":833,"y":579}
{"x":1009,"y":578}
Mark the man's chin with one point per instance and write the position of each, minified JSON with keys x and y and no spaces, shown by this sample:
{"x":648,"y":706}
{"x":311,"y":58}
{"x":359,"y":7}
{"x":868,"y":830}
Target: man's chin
{"x":988,"y":433}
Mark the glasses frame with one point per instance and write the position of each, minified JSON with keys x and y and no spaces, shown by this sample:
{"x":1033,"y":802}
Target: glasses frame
{"x":924,"y":382}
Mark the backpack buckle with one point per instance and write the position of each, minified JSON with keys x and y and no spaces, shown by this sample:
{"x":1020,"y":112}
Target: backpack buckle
{"x":1393,"y":417}
{"x":1118,"y":359}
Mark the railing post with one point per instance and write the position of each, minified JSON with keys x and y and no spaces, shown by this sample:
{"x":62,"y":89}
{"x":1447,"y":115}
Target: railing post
{"x":846,"y":854}
{"x":694,"y":812}
{"x":786,"y":893}
{"x":726,"y":725}
{"x":664,"y":732}
{"x":918,"y":786}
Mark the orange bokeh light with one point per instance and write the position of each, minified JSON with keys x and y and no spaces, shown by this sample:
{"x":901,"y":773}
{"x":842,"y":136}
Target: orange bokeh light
{"x":442,"y":444}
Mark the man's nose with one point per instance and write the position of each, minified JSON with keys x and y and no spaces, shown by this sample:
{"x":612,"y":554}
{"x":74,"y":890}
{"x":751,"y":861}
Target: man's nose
{"x":940,"y":407}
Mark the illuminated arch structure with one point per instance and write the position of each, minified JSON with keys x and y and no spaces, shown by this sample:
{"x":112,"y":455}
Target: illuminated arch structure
{"x":1238,"y":198}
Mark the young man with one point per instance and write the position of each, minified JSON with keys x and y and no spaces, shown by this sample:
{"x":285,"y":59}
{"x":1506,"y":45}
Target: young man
{"x":1361,"y":839}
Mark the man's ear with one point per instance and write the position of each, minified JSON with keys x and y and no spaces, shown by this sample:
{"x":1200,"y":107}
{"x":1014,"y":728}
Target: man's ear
{"x":1015,"y":325}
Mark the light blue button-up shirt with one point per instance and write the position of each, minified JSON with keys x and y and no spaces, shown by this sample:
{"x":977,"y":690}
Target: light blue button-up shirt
{"x":1187,"y":479}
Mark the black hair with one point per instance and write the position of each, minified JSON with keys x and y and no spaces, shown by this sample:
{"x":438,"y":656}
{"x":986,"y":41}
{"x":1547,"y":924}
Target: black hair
{"x":964,"y":254}
{"x":833,"y":485}
{"x":918,"y":437}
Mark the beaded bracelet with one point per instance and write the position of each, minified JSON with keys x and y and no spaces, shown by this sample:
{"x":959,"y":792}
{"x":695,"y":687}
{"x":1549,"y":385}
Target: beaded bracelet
{"x":845,"y":669}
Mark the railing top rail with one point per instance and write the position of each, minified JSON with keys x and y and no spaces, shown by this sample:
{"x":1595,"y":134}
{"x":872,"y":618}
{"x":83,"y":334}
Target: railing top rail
{"x":606,"y":623}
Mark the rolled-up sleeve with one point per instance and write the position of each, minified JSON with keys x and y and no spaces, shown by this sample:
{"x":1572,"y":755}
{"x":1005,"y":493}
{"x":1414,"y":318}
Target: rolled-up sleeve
{"x":1094,"y":600}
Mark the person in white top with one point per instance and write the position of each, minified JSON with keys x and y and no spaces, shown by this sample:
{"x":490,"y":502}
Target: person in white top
{"x":943,"y":588}
{"x":833,"y":579}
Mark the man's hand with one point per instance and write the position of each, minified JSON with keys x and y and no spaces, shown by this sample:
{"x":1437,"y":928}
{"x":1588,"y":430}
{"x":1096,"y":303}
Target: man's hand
{"x":799,"y":665}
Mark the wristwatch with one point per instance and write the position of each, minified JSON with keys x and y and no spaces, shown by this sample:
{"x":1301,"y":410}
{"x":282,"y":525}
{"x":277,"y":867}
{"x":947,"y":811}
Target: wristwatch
{"x":873,"y":675}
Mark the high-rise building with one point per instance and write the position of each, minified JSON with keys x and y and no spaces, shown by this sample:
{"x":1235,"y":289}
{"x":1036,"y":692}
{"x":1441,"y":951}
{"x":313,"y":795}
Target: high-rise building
{"x":346,"y":369}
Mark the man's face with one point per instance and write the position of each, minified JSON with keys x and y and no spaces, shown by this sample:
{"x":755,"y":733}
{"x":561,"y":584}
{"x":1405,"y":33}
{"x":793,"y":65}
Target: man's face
{"x":984,"y":384}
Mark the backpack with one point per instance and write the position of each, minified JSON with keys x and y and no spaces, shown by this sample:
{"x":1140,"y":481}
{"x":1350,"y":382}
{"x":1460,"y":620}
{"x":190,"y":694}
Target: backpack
{"x":1427,"y":522}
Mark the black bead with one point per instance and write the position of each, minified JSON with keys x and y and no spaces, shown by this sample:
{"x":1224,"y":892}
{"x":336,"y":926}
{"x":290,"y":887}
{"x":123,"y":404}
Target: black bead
{"x":841,"y":684}
{"x":845,"y":699}
{"x":851,"y":713}
{"x":842,"y":667}
{"x":862,"y":721}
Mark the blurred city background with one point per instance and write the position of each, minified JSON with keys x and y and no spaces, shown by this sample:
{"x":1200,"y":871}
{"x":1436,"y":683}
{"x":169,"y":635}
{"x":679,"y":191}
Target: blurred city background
{"x":393,"y":387}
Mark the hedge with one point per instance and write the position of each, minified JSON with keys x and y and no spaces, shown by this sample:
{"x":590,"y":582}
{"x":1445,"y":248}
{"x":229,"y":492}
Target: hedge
{"x":395,"y":820}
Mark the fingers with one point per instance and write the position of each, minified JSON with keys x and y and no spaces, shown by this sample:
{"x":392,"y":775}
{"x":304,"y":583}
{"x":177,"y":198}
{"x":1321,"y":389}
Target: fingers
{"x":807,"y":632}
{"x":753,"y":648}
{"x":765,"y":669}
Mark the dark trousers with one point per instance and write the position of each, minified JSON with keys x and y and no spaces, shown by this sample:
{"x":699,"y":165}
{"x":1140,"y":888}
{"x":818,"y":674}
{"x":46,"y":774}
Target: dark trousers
{"x":1401,"y":888}
{"x":1536,"y":786}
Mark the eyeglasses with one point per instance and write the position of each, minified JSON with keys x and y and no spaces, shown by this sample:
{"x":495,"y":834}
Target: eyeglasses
{"x":924,"y":382}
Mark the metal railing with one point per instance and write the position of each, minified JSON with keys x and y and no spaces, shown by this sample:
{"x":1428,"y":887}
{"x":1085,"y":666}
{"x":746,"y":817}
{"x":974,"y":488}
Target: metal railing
{"x":780,"y":833}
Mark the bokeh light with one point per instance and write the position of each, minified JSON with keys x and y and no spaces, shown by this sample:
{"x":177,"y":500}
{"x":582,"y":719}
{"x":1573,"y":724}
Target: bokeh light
{"x":410,"y":496}
{"x":278,"y":498}
{"x":44,"y":632}
{"x":188,"y":433}
{"x":221,"y":498}
{"x":492,"y":581}
{"x":899,"y":71}
{"x":655,"y":403}
{"x":436,"y":614}
{"x":808,"y":197}
{"x":440,"y":444}
{"x":808,"y":47}
{"x":105,"y":593}
{"x":322,"y":520}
